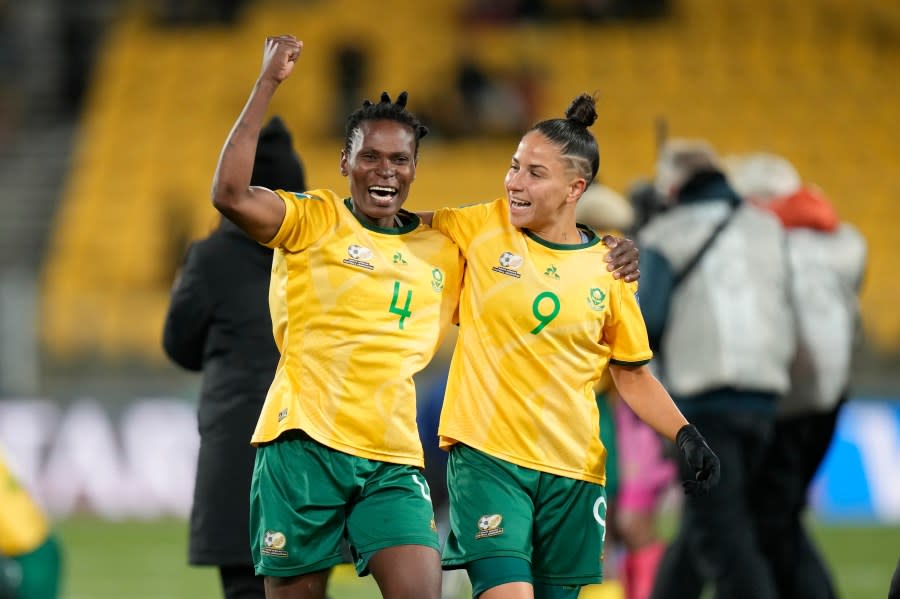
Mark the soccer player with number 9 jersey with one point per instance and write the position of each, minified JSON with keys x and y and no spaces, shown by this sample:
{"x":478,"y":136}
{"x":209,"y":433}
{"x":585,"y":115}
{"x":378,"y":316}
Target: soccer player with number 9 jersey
{"x":541,"y":319}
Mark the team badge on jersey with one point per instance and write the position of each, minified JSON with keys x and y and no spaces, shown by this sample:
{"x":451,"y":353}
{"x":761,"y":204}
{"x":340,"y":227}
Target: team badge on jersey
{"x":359,"y":256}
{"x":509,"y":263}
{"x":552,"y":272}
{"x":437,"y":279}
{"x":596,"y":299}
{"x":489,"y":526}
{"x":273,"y":544}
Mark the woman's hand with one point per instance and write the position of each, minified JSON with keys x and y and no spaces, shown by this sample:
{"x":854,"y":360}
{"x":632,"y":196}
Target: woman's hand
{"x":623,"y":258}
{"x":280,"y":56}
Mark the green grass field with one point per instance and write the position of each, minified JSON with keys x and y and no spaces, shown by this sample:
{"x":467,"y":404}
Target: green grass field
{"x":146,"y":560}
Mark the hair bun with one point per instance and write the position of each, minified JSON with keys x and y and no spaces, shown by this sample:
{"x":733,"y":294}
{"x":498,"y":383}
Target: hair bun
{"x":583,"y":110}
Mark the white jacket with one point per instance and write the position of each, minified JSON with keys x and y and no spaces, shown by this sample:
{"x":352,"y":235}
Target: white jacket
{"x":730,"y":322}
{"x":826,"y":269}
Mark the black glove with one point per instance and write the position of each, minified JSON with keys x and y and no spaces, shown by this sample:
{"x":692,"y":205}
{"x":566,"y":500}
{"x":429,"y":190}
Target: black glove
{"x":700,"y":458}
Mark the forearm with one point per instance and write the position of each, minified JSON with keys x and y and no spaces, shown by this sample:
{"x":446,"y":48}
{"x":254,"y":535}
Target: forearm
{"x":646,"y":396}
{"x":231,"y":181}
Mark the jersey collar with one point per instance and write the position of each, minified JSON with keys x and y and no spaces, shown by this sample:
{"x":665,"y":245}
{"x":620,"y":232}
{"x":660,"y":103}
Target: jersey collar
{"x":410,"y":222}
{"x":593,"y":239}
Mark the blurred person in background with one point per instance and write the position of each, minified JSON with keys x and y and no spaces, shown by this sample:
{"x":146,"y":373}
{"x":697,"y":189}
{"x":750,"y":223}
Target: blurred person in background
{"x":635,"y":451}
{"x":714,"y":295}
{"x":539,"y":325}
{"x":30,"y":555}
{"x":645,"y":203}
{"x":826,"y":261}
{"x":604,"y":210}
{"x":218,"y":322}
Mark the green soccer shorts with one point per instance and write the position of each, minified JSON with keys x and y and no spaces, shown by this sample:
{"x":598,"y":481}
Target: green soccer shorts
{"x":306,"y":497}
{"x":36,"y":574}
{"x":499,"y":509}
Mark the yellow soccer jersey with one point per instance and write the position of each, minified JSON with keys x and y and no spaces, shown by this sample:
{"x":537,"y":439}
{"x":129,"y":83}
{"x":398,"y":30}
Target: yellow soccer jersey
{"x":277,"y":296}
{"x":23,"y":526}
{"x":357,"y":310}
{"x":539,"y":323}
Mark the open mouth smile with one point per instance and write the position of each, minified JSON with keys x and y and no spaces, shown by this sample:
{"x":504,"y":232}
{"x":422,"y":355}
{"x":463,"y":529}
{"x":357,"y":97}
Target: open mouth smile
{"x":383,"y":195}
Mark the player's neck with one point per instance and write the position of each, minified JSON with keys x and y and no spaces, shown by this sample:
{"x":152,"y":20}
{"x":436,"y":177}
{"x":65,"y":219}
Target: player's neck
{"x":387,"y":222}
{"x":559,"y":234}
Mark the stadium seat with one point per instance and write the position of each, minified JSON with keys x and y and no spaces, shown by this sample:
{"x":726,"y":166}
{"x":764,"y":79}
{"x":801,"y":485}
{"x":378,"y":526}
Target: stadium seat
{"x":748,"y":75}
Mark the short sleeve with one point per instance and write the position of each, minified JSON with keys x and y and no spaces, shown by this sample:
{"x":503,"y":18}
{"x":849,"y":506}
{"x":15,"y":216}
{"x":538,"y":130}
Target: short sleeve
{"x":306,"y":218}
{"x":462,"y":224}
{"x":624,"y":331}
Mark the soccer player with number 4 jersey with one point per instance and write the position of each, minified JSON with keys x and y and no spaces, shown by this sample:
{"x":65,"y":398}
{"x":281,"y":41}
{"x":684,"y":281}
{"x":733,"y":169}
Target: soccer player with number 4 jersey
{"x":539,"y":324}
{"x":361,"y":295}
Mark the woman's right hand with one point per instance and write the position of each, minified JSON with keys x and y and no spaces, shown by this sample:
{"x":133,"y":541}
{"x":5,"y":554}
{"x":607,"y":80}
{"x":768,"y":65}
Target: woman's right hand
{"x":280,"y":55}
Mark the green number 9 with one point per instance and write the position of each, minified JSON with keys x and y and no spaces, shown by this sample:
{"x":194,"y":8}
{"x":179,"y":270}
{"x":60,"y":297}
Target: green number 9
{"x":544,"y":319}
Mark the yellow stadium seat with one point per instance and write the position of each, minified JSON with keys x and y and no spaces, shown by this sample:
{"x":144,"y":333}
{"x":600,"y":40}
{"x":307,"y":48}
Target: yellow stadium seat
{"x":746,"y":74}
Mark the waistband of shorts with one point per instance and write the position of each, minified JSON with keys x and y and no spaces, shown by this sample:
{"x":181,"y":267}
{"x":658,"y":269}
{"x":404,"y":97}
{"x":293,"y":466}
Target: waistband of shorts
{"x":294,"y":434}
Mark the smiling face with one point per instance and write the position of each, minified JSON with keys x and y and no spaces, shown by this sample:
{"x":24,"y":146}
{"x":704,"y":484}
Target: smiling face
{"x":542,"y":187}
{"x":381,"y":166}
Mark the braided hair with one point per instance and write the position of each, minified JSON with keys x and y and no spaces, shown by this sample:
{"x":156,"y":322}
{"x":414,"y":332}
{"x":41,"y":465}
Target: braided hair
{"x":572,"y":136}
{"x":385,"y":109}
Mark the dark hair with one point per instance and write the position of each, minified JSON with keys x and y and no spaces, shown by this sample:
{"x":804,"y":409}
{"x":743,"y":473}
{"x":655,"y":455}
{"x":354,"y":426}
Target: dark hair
{"x":384,"y":110}
{"x":572,"y":136}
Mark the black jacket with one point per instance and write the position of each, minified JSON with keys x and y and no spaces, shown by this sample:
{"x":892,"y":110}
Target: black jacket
{"x":218,"y":322}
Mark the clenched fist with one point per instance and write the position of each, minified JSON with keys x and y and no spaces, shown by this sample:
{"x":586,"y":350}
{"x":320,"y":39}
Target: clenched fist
{"x":700,"y":458}
{"x":280,"y":55}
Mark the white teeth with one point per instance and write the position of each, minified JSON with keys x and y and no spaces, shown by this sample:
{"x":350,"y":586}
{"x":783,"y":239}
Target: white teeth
{"x":383,"y":189}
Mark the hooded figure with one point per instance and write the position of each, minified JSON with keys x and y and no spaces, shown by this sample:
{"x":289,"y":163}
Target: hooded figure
{"x":218,"y":322}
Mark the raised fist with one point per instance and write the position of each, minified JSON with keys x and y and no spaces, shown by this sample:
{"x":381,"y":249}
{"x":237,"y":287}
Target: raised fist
{"x":280,"y":55}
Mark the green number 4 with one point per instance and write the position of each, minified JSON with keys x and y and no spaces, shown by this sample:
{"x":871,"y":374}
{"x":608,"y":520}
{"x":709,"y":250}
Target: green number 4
{"x":403,"y":312}
{"x":544,"y":318}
